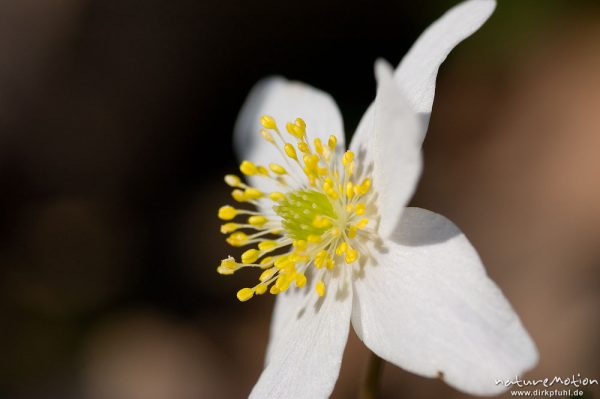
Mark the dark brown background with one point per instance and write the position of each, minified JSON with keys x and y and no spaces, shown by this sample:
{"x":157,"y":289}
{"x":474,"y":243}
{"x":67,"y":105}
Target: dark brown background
{"x":111,"y":113}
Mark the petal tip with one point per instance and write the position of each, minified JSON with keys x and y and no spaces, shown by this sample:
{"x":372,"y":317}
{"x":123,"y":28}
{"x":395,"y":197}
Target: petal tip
{"x":382,"y":69}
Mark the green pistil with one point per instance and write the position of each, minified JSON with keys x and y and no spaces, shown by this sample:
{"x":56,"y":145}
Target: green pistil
{"x":298,"y":211}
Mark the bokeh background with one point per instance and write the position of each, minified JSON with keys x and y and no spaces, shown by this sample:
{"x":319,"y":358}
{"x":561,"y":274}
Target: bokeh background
{"x":115,"y":132}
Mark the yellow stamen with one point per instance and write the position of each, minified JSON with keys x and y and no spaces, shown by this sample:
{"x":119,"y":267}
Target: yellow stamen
{"x":318,"y":146}
{"x":300,"y":280}
{"x":362,"y":223}
{"x":233,"y":180}
{"x":332,"y":142}
{"x":252,"y":193}
{"x":347,"y":157}
{"x":245,"y":294}
{"x":248,"y":168}
{"x":262,"y":171}
{"x":227,"y":212}
{"x":257,"y":221}
{"x":267,"y":245}
{"x":229,"y":228}
{"x":295,"y":130}
{"x":237,"y":239}
{"x":268,"y":122}
{"x":312,"y":220}
{"x":290,"y":151}
{"x":239,"y":195}
{"x":276,"y":168}
{"x":250,"y":256}
{"x":267,"y":136}
{"x":351,"y":255}
{"x":260,"y":289}
{"x":276,"y":196}
{"x":360,"y":209}
{"x":319,"y":287}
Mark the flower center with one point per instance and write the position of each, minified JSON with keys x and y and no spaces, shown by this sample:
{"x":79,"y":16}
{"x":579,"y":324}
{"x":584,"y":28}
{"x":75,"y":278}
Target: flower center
{"x":301,"y":209}
{"x":315,"y":219}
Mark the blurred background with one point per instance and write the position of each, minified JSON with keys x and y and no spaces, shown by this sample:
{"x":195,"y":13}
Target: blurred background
{"x":111,"y":113}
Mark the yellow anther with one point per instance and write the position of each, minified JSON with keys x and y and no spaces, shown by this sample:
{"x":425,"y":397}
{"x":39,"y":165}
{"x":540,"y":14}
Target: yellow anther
{"x":351,"y":255}
{"x":299,"y":244}
{"x":267,"y":274}
{"x":248,"y":168}
{"x":349,"y":190}
{"x":282,"y":282}
{"x":321,"y":258}
{"x":252,"y":193}
{"x":233,"y":180}
{"x":311,"y":161}
{"x":341,"y":249}
{"x":349,"y":208}
{"x":314,"y":238}
{"x":250,"y":256}
{"x":365,"y":186}
{"x":274,"y":290}
{"x":229,"y":228}
{"x":245,"y":293}
{"x":227,"y":212}
{"x":262,"y":171}
{"x":260,"y":289}
{"x":321,"y":222}
{"x":318,"y":146}
{"x":332,"y":142}
{"x":360,"y":209}
{"x":266,"y":262}
{"x":303,"y":147}
{"x":362,"y":223}
{"x":277,"y":196}
{"x":296,"y":129}
{"x":300,"y":280}
{"x":268,"y":122}
{"x":290,"y":151}
{"x":276,"y":168}
{"x":282,"y":261}
{"x":229,"y":263}
{"x":257,"y":221}
{"x":224,"y":271}
{"x":237,"y":239}
{"x":239,"y":195}
{"x":298,"y":258}
{"x":267,"y":136}
{"x":320,"y":288}
{"x":267,"y":245}
{"x":347,"y":157}
{"x":352,"y":230}
{"x":330,"y":264}
{"x":332,"y":194}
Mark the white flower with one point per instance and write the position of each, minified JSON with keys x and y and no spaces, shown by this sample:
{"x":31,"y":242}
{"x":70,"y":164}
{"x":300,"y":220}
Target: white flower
{"x":336,"y":242}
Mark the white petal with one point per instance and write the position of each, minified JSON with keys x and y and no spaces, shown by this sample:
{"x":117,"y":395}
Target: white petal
{"x":388,"y":145}
{"x":417,"y":71}
{"x":285,"y":101}
{"x":428,"y":306}
{"x":308,"y":337}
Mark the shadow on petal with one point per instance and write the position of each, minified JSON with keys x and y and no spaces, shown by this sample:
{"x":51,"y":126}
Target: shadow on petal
{"x":413,"y":229}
